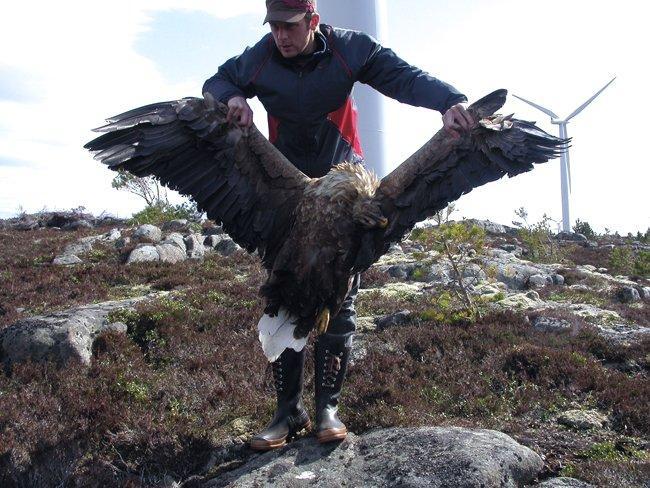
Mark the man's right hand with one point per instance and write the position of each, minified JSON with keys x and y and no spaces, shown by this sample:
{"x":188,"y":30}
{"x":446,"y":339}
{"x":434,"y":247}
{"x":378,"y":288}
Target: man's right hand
{"x":239,"y":112}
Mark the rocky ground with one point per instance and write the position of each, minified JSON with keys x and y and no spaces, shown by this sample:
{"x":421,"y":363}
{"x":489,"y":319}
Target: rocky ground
{"x":130,"y":357}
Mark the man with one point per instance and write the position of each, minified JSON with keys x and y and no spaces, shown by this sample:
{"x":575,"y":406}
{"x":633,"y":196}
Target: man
{"x":303,"y":74}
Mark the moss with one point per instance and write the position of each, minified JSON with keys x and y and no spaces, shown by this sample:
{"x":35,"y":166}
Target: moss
{"x":42,"y":259}
{"x":498,"y":297}
{"x":419,"y":274}
{"x":568,"y":295}
{"x":569,"y":470}
{"x":137,"y":390}
{"x":611,"y":451}
{"x":96,"y":255}
{"x":445,"y":308}
{"x":578,"y":358}
{"x":388,"y":299}
{"x":121,"y":292}
{"x":125,"y":315}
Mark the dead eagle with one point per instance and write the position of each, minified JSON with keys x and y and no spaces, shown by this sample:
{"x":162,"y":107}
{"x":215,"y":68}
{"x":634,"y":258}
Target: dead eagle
{"x":312,"y":234}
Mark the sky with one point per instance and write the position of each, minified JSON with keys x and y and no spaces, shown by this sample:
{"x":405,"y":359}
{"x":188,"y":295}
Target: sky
{"x":65,"y":66}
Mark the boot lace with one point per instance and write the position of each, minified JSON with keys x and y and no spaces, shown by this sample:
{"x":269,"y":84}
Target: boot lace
{"x":331,"y":368}
{"x":278,"y":376}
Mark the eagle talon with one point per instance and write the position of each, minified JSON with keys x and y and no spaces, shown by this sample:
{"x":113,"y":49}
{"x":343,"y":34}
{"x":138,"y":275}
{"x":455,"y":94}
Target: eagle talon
{"x":323,"y":321}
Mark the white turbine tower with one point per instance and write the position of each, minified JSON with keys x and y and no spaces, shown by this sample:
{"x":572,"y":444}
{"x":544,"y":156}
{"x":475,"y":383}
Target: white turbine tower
{"x":565,"y":165}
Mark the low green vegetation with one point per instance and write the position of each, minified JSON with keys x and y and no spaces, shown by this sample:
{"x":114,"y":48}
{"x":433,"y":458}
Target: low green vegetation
{"x":538,"y":238}
{"x":159,"y":214}
{"x":158,"y":209}
{"x":625,"y":261}
{"x":612,"y":451}
{"x":584,"y":228}
{"x":569,"y":295}
{"x":446,"y":308}
{"x":462,"y":244}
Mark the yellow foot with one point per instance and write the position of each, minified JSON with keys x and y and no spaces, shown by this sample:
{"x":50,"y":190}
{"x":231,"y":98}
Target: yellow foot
{"x":323,"y":321}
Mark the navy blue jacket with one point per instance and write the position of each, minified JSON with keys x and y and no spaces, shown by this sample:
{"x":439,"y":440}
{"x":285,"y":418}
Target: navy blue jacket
{"x":312,"y":117}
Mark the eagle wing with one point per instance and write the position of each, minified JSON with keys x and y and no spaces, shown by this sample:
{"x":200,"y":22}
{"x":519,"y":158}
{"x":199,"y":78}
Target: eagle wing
{"x":239,"y":179}
{"x":446,"y":168}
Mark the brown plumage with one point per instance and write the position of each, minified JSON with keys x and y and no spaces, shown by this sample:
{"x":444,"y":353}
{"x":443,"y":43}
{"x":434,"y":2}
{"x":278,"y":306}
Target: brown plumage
{"x":312,"y":234}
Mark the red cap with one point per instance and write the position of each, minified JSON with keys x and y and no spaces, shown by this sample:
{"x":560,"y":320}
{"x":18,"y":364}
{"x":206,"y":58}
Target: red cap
{"x":288,"y":10}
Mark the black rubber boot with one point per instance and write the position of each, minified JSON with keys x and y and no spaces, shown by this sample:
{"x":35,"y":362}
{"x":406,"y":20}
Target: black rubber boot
{"x":290,"y":416}
{"x":332,"y":354}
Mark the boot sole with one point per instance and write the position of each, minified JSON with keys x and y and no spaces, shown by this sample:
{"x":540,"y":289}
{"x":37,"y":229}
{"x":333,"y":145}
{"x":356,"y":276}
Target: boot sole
{"x":331,"y":435}
{"x":264,"y":445}
{"x":260,"y":445}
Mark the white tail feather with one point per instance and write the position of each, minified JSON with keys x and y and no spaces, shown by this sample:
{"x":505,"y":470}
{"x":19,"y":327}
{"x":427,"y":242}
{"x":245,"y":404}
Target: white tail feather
{"x":276,"y":334}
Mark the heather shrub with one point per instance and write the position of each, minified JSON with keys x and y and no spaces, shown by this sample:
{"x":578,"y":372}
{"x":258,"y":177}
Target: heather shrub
{"x":31,"y":285}
{"x":189,"y":373}
{"x":374,"y":278}
{"x":153,"y":402}
{"x":481,"y":372}
{"x":580,"y":255}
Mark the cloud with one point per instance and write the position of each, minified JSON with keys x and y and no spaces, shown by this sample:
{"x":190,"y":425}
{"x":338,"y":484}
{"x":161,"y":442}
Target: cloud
{"x":16,"y":86}
{"x":190,"y":45}
{"x":14,"y":163}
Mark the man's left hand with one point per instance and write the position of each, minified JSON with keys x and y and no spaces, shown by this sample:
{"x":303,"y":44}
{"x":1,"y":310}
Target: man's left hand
{"x":457,"y":120}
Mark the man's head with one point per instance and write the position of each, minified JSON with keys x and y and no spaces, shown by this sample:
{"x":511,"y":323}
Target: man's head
{"x":293,"y":25}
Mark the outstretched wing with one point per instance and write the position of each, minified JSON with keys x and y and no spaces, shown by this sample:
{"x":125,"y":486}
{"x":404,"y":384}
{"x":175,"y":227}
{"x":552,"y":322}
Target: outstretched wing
{"x":446,"y":168}
{"x":240,"y":180}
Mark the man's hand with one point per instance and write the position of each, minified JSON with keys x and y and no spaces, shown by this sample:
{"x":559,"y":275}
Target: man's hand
{"x":239,"y":112}
{"x":457,"y":119}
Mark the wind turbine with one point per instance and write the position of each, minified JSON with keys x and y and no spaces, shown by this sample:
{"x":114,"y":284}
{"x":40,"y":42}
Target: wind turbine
{"x":565,"y":165}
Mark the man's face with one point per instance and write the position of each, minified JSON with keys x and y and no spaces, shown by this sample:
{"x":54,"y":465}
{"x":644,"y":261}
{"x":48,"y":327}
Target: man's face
{"x":291,"y":38}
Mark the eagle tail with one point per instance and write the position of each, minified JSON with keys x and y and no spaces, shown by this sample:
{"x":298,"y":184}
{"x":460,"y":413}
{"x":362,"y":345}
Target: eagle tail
{"x":276,"y":334}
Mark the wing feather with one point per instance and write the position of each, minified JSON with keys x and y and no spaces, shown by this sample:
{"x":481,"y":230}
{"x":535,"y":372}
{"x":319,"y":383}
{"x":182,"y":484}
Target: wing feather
{"x":447,"y":168}
{"x":240,"y":180}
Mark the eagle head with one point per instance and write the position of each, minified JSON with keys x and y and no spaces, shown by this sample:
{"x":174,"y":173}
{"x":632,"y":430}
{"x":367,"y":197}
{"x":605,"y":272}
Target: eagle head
{"x":366,"y":212}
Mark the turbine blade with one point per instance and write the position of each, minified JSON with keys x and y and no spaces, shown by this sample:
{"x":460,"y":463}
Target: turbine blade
{"x":584,"y":105}
{"x":538,"y":107}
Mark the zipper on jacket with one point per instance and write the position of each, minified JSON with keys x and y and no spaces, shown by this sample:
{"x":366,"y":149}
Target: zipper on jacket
{"x":306,"y":155}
